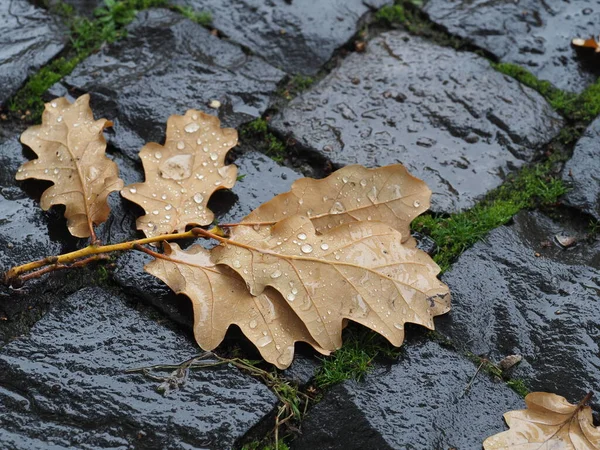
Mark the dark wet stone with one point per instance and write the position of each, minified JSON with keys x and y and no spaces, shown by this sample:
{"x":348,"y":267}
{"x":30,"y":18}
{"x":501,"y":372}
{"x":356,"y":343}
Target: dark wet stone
{"x":65,"y":384}
{"x":456,"y":123}
{"x":582,"y":173}
{"x":30,"y":38}
{"x":419,"y":402}
{"x":166,"y":65}
{"x":298,"y":36}
{"x":536,"y":34}
{"x":546,"y":308}
{"x":302,"y":370}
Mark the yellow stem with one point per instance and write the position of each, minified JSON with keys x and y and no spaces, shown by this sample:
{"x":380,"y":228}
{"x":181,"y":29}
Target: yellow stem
{"x":94,"y":250}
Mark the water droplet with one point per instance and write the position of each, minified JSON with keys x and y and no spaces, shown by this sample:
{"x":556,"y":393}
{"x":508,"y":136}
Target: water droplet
{"x":291,"y":297}
{"x":199,"y":141}
{"x":324,"y":246}
{"x":253,"y":324}
{"x":168,"y":207}
{"x":155,"y":212}
{"x":399,"y":326}
{"x":56,"y":171}
{"x":302,"y":236}
{"x":214,"y":156}
{"x":181,"y":145}
{"x":337,"y":208}
{"x":236,"y":264}
{"x":191,"y":127}
{"x":198,"y":198}
{"x":363,"y":182}
{"x":53,"y":104}
{"x":344,"y":180}
{"x":218,"y":183}
{"x":372,"y":195}
{"x":45,"y":170}
{"x":178,"y":167}
{"x":59,"y":119}
{"x":306,"y":248}
{"x":223,"y":171}
{"x":158,"y":155}
{"x":276,"y":274}
{"x":264,"y":341}
{"x":417,"y":203}
{"x":294,"y":291}
{"x":150,"y":225}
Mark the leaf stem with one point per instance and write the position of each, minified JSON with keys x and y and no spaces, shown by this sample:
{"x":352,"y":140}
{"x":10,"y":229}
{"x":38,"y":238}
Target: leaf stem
{"x":52,"y":263}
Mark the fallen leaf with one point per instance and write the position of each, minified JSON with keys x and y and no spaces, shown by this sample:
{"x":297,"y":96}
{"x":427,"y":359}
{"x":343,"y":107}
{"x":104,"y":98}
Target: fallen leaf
{"x":220,"y":298}
{"x":359,"y":271}
{"x":549,"y":422}
{"x":587,"y":43}
{"x":354,"y":193}
{"x":71,"y":147}
{"x":183,"y":174}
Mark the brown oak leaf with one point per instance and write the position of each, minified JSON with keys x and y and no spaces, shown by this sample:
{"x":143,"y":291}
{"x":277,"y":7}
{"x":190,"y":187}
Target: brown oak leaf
{"x":183,"y":174}
{"x":354,"y":193}
{"x":359,"y":271}
{"x":220,"y":298}
{"x":70,"y":146}
{"x":549,"y":422}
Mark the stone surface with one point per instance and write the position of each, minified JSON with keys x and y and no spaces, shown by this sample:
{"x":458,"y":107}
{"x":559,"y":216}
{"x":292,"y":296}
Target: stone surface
{"x":65,"y":386}
{"x":419,"y":402}
{"x":166,"y":65}
{"x":30,"y":38}
{"x":506,"y":300}
{"x":536,"y":34}
{"x":456,"y":123}
{"x":582,"y":173}
{"x":298,"y":36}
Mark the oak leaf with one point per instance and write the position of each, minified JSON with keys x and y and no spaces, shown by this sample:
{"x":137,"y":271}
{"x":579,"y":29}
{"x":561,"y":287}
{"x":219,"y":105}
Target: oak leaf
{"x":71,"y":148}
{"x":220,"y":298}
{"x":549,"y":422}
{"x":359,"y":271}
{"x":354,"y":193}
{"x":183,"y":174}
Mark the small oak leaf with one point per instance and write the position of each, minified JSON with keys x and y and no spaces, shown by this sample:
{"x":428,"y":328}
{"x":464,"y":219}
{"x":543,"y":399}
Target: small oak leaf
{"x":220,"y":299}
{"x":71,"y":148}
{"x":549,"y":422}
{"x":352,"y":194}
{"x":183,"y":174}
{"x":359,"y":271}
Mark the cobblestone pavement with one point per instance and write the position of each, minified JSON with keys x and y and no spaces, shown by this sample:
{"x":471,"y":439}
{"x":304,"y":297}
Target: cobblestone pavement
{"x":486,"y":101}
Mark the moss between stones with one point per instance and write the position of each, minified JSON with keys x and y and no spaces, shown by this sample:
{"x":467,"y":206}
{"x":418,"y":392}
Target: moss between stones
{"x":270,"y":144}
{"x":296,"y":85}
{"x":86,"y":36}
{"x":531,"y":187}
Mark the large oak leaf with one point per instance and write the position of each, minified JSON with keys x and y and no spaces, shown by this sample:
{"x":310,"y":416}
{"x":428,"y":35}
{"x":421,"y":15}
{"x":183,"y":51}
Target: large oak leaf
{"x":354,"y":193}
{"x":549,"y":422}
{"x":183,"y":174}
{"x":220,"y":298}
{"x":71,"y":148}
{"x":359,"y":271}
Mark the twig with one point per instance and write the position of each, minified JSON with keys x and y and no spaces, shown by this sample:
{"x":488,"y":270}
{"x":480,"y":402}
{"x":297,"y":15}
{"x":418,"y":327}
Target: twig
{"x":83,"y":256}
{"x":483,"y":361}
{"x":59,"y":266}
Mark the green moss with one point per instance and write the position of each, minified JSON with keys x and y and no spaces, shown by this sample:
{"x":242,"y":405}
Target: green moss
{"x":296,"y":85}
{"x":203,"y":18}
{"x":270,"y":144}
{"x":584,"y":107}
{"x":260,"y":446}
{"x":354,"y":360}
{"x":532,"y":186}
{"x":392,"y":14}
{"x":518,"y":386}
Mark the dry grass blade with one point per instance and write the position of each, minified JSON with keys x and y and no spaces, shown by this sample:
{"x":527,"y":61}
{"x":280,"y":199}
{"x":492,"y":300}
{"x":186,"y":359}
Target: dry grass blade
{"x":359,"y":271}
{"x":549,"y":422}
{"x":71,"y":153}
{"x":183,"y":174}
{"x":354,"y":193}
{"x":220,"y":298}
